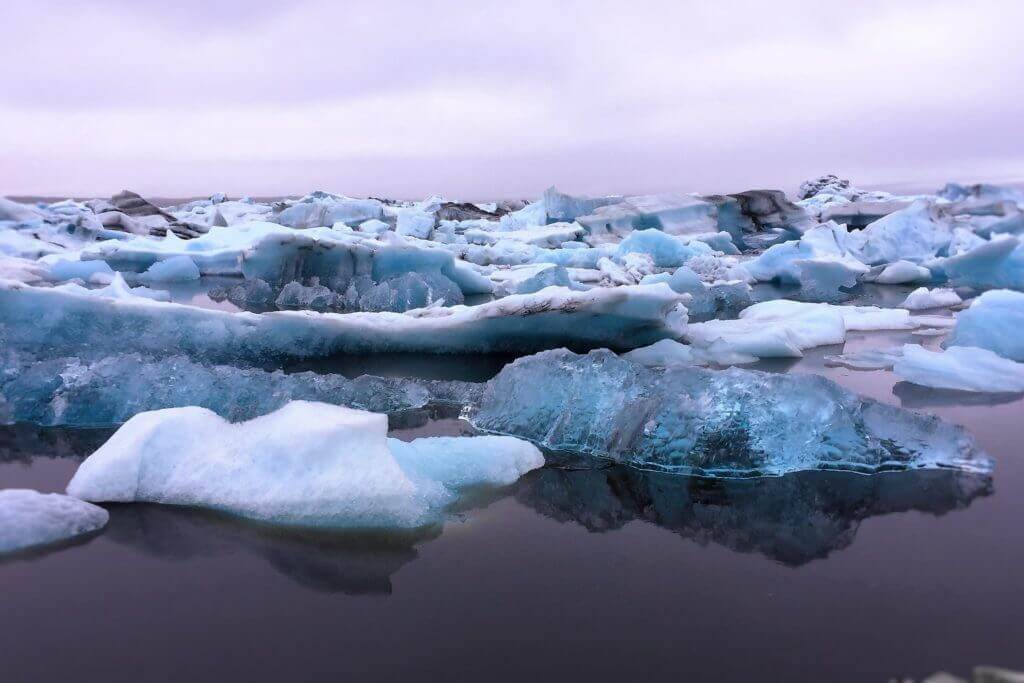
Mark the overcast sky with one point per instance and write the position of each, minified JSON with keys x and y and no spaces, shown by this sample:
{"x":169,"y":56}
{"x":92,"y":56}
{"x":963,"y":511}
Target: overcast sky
{"x":477,"y":99}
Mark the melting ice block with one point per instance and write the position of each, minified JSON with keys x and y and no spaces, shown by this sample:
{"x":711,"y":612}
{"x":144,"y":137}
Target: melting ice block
{"x":29,"y":519}
{"x":307,"y":464}
{"x":715,"y":423}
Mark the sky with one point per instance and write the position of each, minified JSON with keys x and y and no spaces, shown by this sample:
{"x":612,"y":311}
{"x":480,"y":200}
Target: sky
{"x":479,"y":100}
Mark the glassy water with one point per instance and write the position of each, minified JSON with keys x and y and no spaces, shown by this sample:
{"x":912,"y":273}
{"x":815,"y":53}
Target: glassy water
{"x":570,"y":575}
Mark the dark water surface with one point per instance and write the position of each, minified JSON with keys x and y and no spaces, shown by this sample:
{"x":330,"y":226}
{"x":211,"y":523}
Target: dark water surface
{"x":571,"y":575}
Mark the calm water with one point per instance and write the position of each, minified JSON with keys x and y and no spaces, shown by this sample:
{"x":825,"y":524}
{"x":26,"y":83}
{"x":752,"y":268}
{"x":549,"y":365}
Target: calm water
{"x":570,"y":575}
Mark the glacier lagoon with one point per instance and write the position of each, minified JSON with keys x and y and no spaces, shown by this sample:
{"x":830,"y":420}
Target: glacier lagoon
{"x":782,"y":490}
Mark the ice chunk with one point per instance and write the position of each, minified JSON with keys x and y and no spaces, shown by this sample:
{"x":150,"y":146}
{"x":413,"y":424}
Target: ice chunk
{"x":868,"y":359}
{"x":994,"y":322}
{"x":965,"y":368}
{"x":78,"y":321}
{"x":923,"y":298}
{"x":914,"y":234}
{"x":715,"y":423}
{"x":322,"y":209}
{"x":174,"y":269}
{"x":674,"y":213}
{"x":667,"y":251}
{"x":563,"y":207}
{"x":535,"y":279}
{"x":68,"y":266}
{"x":307,"y":464}
{"x":414,"y":222}
{"x":669,"y":353}
{"x":410,"y":291}
{"x":29,"y":519}
{"x":824,"y":278}
{"x":783,"y":329}
{"x":541,"y":236}
{"x":780,"y":262}
{"x":902,"y":272}
{"x":107,"y":391}
{"x":996,"y":263}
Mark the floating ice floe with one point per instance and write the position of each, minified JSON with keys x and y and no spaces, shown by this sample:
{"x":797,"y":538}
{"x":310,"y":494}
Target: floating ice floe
{"x":922,"y":299}
{"x":994,"y":321}
{"x":964,"y":368}
{"x":72,"y":320}
{"x":29,"y":519}
{"x":784,"y":329}
{"x":901,"y":272}
{"x":717,"y":423}
{"x":306,"y":464}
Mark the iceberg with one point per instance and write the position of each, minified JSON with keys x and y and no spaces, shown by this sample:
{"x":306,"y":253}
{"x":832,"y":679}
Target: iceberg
{"x":964,"y":368}
{"x":69,"y":320}
{"x":727,"y":423}
{"x":30,"y":520}
{"x":994,"y":321}
{"x":306,"y":464}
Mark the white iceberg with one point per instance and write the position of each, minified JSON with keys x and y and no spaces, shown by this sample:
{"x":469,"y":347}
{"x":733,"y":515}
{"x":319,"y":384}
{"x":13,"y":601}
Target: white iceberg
{"x":307,"y":464}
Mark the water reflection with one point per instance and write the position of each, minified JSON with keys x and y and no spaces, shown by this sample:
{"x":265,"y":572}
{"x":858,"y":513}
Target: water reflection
{"x":792,"y":519}
{"x":350,"y":563}
{"x":21,"y":443}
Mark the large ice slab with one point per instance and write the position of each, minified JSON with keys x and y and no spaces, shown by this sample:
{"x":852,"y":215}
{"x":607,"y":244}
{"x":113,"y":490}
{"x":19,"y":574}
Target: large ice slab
{"x":307,"y":464}
{"x":994,"y":321}
{"x":29,"y":519}
{"x":716,"y":423}
{"x":66,"y":321}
